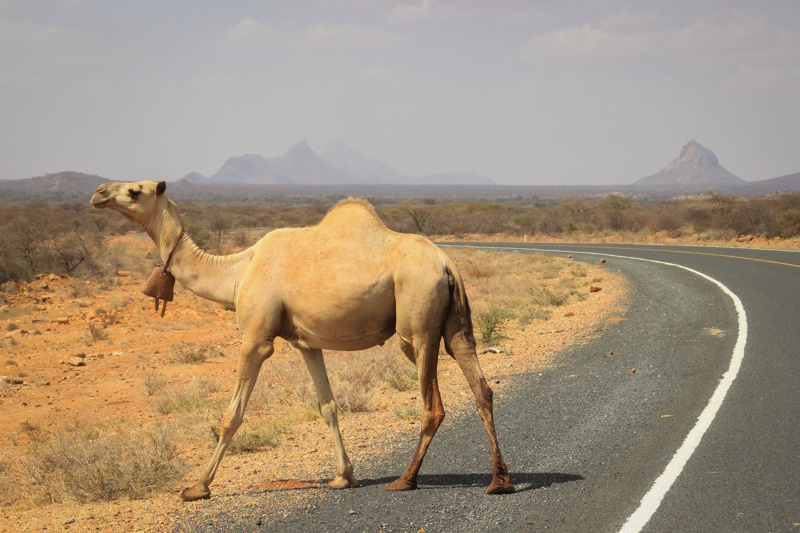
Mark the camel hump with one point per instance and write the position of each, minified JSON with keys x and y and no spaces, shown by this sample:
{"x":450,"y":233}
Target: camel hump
{"x":353,"y":212}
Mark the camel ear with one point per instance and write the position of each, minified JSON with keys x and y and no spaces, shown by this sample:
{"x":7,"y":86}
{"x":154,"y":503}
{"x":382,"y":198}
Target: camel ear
{"x":161,"y":187}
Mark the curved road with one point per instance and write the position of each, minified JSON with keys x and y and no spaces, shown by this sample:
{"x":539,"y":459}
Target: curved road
{"x":586,"y":441}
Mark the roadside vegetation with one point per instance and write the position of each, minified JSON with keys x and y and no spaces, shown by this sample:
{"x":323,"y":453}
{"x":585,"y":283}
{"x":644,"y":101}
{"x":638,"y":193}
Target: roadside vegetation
{"x":70,"y":238}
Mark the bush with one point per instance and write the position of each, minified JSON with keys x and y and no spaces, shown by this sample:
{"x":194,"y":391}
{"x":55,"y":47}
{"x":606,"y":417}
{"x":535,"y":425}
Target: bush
{"x":489,"y":323}
{"x":193,"y":353}
{"x":191,"y":397}
{"x":90,"y":464}
{"x":254,"y":439}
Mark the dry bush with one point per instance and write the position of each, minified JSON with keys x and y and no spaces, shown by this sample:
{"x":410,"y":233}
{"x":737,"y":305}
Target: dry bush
{"x":154,"y":381}
{"x":405,"y":413}
{"x":193,"y":353}
{"x":192,"y":397}
{"x":285,"y":389}
{"x":85,"y":463}
{"x":253,"y":438}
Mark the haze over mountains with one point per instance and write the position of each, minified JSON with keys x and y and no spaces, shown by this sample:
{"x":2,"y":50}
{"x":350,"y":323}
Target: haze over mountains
{"x":339,"y":164}
{"x":341,"y":170}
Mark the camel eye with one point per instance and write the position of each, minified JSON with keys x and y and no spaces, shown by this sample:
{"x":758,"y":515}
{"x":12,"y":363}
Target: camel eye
{"x":134,"y":194}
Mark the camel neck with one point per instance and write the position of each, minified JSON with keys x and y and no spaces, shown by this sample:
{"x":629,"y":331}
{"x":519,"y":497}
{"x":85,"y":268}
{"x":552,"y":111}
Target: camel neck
{"x":213,"y":277}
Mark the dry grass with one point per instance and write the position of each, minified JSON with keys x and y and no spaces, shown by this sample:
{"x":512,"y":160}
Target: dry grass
{"x":253,"y":438}
{"x":85,"y":463}
{"x":193,"y":353}
{"x":520,"y":287}
{"x":190,"y":398}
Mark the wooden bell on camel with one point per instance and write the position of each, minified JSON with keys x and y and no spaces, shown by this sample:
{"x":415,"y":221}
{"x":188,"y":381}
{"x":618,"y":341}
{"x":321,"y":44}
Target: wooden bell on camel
{"x":161,"y":282}
{"x":160,"y":285}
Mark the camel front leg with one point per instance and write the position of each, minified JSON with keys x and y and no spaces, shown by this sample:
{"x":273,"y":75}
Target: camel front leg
{"x":251,"y":357}
{"x":432,"y":414}
{"x":327,"y":407}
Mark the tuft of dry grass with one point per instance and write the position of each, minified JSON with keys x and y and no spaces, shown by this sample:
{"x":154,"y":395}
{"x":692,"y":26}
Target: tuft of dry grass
{"x":193,"y":353}
{"x":154,"y":381}
{"x":84,"y":463}
{"x":253,"y":438}
{"x":187,"y":399}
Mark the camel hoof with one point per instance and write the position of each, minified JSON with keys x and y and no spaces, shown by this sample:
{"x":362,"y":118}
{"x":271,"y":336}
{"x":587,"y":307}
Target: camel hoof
{"x":196,"y":492}
{"x":401,"y":484}
{"x":500,"y":487}
{"x":341,"y":482}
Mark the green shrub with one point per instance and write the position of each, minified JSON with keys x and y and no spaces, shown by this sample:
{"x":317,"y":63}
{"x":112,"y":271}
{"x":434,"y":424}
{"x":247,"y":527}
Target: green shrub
{"x":489,"y":323}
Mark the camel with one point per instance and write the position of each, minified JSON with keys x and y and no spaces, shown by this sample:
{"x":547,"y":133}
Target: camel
{"x":348,"y":283}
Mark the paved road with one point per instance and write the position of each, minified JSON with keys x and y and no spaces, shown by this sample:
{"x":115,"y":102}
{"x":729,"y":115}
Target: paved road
{"x":586,"y":441}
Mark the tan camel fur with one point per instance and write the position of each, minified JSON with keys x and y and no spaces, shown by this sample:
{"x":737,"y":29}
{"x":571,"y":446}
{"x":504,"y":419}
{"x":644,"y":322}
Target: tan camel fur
{"x":348,"y":283}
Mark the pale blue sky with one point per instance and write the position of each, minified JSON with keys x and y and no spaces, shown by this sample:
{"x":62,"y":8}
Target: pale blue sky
{"x":551,"y":92}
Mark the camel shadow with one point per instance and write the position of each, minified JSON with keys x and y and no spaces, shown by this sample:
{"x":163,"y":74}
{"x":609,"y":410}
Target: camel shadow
{"x":523,"y":481}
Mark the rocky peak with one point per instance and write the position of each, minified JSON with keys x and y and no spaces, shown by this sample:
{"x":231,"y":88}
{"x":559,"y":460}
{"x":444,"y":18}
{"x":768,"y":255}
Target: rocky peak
{"x":694,"y":155}
{"x":695,"y":167}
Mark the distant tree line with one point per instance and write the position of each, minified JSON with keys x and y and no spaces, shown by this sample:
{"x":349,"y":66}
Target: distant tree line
{"x":69,"y":238}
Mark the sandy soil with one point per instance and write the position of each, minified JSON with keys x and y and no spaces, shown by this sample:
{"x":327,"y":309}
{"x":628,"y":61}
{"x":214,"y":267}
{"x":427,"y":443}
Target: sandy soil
{"x":45,"y":324}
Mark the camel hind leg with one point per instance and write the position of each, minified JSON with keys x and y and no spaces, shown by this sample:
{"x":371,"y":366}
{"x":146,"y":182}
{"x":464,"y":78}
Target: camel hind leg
{"x":464,"y":353}
{"x":426,"y":355}
{"x":327,"y":408}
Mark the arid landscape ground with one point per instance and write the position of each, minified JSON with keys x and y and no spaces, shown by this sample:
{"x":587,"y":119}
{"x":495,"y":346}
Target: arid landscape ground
{"x":90,"y":364}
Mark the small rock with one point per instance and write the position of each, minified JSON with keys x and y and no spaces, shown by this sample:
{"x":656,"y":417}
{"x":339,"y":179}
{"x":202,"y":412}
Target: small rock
{"x":52,"y":277}
{"x":595,"y":288}
{"x":63,"y":320}
{"x":602,"y":261}
{"x":123,"y":273}
{"x":492,"y":349}
{"x":76,"y":361}
{"x":351,"y":512}
{"x":569,"y":313}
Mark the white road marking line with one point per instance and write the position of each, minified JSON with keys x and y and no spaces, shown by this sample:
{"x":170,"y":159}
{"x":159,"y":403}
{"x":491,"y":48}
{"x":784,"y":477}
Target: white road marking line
{"x":652,"y":500}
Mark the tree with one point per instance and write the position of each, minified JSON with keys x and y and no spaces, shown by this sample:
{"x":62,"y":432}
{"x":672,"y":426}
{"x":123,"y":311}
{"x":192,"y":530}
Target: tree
{"x":418,"y":214}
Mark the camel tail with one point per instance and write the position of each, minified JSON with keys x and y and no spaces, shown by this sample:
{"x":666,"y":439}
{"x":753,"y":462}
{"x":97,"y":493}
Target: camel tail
{"x":459,"y":309}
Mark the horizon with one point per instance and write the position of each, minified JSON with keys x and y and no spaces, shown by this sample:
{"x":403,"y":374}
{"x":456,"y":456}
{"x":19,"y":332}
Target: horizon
{"x":575,"y":93}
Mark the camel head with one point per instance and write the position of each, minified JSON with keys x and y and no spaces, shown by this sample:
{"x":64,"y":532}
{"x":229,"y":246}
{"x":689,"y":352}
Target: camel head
{"x":138,"y":201}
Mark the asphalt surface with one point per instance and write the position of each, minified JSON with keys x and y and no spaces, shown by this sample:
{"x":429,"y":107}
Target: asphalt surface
{"x":585,"y":441}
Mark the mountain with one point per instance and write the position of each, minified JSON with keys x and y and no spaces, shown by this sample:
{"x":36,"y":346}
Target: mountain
{"x":695,"y":167}
{"x":300,"y":165}
{"x":455,"y":178}
{"x":194,"y":177}
{"x":248,"y":169}
{"x":788,"y":183}
{"x":58,"y":181}
{"x":353,"y":163}
{"x":64,"y":186}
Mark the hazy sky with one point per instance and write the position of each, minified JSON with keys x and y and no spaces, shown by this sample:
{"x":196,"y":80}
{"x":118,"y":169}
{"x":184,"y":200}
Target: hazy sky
{"x":525,"y":92}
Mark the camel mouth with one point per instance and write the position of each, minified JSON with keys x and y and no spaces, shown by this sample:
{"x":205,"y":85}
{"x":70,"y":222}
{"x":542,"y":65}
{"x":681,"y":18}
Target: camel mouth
{"x":99,"y":203}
